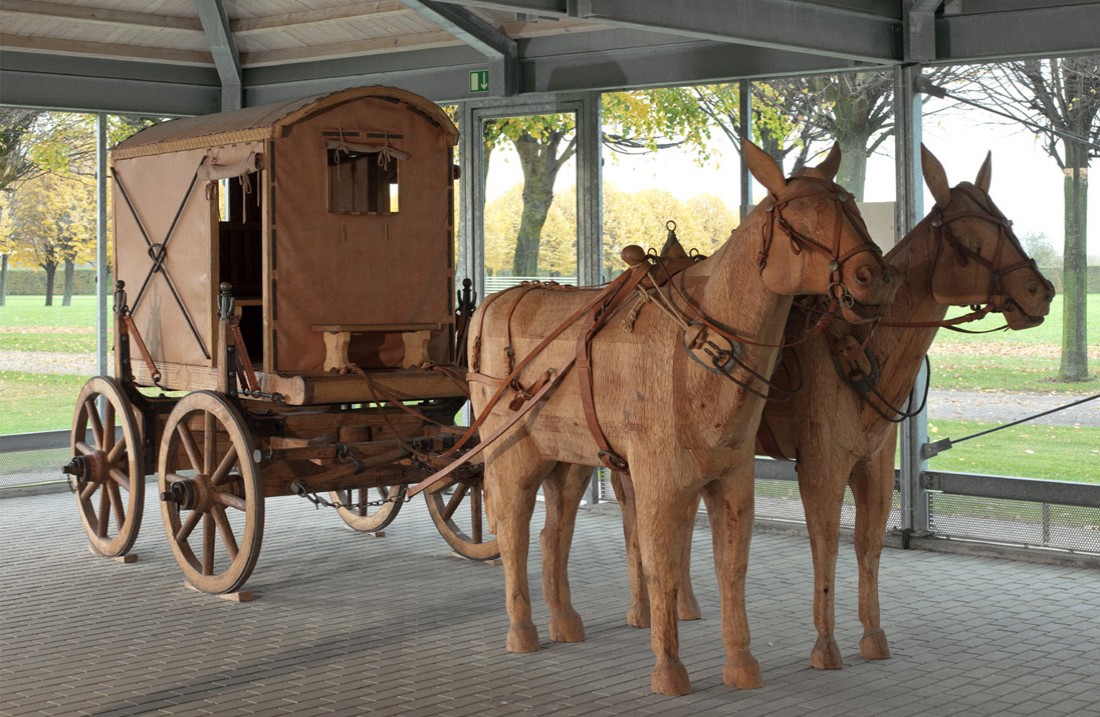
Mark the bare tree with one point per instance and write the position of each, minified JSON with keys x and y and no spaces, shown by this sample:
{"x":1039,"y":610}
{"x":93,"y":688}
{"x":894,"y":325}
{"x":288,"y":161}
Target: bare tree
{"x":1060,"y":99}
{"x":15,"y":164}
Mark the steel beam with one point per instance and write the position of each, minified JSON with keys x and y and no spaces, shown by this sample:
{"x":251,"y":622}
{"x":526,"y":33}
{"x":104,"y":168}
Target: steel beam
{"x":478,"y":34}
{"x":805,"y":27}
{"x":1033,"y":32}
{"x":95,"y":85}
{"x":215,"y":23}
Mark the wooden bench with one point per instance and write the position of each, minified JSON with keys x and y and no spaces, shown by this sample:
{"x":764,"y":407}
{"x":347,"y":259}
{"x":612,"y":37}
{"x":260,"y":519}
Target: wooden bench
{"x":338,"y":336}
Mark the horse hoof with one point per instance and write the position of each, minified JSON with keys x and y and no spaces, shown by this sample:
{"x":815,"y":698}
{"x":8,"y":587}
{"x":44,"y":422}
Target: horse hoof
{"x":638,"y":617}
{"x":742,"y":671}
{"x":567,"y":628}
{"x":687,"y":608}
{"x":873,"y":646}
{"x":826,"y":655}
{"x":523,"y":638}
{"x":670,"y":679}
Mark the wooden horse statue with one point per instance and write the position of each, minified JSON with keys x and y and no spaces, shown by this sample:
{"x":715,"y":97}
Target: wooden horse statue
{"x":842,"y":424}
{"x":671,"y":387}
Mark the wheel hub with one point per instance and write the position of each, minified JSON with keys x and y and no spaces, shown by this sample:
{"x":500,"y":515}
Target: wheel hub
{"x":196,"y":493}
{"x":85,"y":469}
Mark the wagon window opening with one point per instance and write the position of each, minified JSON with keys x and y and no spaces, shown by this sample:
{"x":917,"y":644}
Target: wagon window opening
{"x":363,"y":178}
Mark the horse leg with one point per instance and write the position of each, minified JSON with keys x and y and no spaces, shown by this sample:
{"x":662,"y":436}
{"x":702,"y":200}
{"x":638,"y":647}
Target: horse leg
{"x":687,"y":607}
{"x":513,"y":486}
{"x":873,"y":488}
{"x":822,"y":490}
{"x":665,"y":523}
{"x":730,"y":508}
{"x":638,"y":613}
{"x":563,"y":490}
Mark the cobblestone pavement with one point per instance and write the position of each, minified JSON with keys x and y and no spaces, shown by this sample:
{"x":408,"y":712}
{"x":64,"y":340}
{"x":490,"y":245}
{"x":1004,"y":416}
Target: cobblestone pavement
{"x":346,"y":624}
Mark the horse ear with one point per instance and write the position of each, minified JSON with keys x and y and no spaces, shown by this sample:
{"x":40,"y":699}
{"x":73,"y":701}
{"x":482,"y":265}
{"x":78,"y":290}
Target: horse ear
{"x":985,"y":173}
{"x":766,"y":170}
{"x":831,"y":165}
{"x":935,"y":177}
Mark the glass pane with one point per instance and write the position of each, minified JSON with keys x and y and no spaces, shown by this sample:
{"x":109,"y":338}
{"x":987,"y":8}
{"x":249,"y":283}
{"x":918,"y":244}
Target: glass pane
{"x":531,"y":200}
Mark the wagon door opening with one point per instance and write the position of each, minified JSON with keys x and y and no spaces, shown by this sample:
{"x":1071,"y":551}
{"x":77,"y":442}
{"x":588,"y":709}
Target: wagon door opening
{"x":239,"y":194}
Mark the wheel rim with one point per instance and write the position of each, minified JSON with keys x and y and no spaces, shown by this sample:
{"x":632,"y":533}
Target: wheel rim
{"x":459,"y":515}
{"x":211,"y":495}
{"x":108,"y":475}
{"x":362,"y":516}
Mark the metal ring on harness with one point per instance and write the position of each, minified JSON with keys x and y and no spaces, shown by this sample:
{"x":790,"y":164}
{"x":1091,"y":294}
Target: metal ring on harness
{"x":704,"y":351}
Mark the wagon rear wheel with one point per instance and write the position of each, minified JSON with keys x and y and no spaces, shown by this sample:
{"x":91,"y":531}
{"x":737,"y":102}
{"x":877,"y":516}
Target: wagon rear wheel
{"x":211,"y":495}
{"x":360,"y":515}
{"x":107,"y":469}
{"x":459,"y":515}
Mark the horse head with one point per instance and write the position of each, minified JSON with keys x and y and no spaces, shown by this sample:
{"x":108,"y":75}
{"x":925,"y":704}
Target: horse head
{"x":815,"y":241}
{"x":979,"y":260}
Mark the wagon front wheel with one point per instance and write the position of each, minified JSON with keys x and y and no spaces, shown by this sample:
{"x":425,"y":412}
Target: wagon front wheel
{"x":211,"y":495}
{"x":107,"y":471}
{"x":369,"y":510}
{"x":459,"y":514}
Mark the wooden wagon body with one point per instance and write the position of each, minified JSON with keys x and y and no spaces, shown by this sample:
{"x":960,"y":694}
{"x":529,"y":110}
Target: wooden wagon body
{"x":289,"y":269}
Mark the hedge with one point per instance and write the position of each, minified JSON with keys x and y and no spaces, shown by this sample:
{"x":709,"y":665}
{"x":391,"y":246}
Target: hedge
{"x":32,"y":282}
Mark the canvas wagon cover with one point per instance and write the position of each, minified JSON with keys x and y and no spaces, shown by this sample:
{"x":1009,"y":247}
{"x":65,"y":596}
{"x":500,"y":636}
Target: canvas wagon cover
{"x":319,"y":267}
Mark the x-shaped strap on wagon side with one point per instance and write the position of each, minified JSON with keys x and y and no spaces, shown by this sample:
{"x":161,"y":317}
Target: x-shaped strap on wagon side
{"x":158,"y":253}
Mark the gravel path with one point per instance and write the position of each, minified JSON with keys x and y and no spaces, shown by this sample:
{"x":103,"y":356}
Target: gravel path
{"x":989,"y":407}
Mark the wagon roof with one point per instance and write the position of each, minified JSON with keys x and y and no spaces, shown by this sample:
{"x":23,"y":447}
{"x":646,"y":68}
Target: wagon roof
{"x":263,"y":121}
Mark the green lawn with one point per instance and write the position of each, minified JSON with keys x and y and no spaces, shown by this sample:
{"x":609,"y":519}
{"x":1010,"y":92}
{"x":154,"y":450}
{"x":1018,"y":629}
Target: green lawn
{"x":1029,"y":450}
{"x":1016,"y":374}
{"x":31,"y":311}
{"x":37,"y":402}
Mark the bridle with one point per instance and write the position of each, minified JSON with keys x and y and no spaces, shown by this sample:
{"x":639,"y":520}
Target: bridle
{"x":723,"y":359}
{"x":837,"y":291}
{"x":997,"y":299}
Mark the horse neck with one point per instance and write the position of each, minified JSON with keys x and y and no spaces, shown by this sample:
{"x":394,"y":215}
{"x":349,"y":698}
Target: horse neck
{"x":900,"y":350}
{"x":734,"y":294}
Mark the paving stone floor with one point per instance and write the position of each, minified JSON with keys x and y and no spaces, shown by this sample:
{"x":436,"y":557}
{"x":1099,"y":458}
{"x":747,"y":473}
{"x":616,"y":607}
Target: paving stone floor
{"x":346,"y":624}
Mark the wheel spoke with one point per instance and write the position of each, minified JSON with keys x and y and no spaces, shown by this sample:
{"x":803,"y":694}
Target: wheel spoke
{"x":84,"y":448}
{"x":226,"y":465}
{"x":93,"y":417}
{"x":89,"y":491}
{"x":455,"y":501}
{"x":207,"y":544}
{"x":209,"y":442}
{"x":189,"y":444}
{"x":108,"y":426}
{"x":116,"y":450}
{"x":120,"y":478}
{"x":230,"y":501}
{"x":188,"y":526}
{"x":226,"y":531}
{"x":116,"y":504}
{"x":103,"y":519}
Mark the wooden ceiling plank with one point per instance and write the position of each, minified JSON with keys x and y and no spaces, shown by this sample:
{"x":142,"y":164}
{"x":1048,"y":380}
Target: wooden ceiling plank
{"x":105,"y":50}
{"x":267,"y":23}
{"x":419,"y":41}
{"x":100,"y":16}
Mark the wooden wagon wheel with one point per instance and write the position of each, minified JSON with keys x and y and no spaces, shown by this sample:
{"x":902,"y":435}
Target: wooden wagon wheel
{"x":360,"y":515}
{"x":108,"y":472}
{"x":459,"y":515}
{"x":211,"y":493}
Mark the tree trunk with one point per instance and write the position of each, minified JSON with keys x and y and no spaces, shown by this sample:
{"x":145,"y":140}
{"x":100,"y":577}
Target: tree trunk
{"x":51,"y":270}
{"x":3,"y":279}
{"x":1074,"y":364}
{"x":539,"y":162}
{"x":67,"y":298}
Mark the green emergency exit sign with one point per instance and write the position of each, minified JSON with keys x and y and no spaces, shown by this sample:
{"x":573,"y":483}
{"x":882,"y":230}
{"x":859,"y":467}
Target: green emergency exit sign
{"x":479,"y":81}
